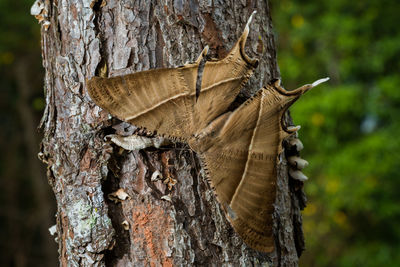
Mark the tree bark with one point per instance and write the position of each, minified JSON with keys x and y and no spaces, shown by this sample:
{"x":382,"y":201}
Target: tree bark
{"x":182,"y":225}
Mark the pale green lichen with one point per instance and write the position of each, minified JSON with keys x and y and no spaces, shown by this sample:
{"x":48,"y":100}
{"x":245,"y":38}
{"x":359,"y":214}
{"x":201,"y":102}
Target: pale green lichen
{"x":85,"y":128}
{"x":82,"y":218}
{"x":90,"y":224}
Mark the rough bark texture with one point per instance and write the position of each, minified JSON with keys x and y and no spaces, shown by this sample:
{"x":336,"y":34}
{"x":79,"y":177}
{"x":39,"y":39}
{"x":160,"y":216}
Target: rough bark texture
{"x":181,"y":226}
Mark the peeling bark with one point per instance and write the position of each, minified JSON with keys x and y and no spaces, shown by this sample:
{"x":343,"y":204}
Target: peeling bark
{"x":168,"y":224}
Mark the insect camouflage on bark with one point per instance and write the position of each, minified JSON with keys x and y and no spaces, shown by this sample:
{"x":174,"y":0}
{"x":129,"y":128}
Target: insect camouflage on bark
{"x":239,"y":149}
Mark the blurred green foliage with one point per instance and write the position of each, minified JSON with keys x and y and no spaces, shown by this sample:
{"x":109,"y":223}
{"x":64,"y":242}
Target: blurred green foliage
{"x":350,"y":125}
{"x":24,"y":220}
{"x":19,"y":32}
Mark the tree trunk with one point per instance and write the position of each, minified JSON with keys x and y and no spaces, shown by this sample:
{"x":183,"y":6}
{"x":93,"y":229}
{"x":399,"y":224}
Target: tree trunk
{"x":182,"y":225}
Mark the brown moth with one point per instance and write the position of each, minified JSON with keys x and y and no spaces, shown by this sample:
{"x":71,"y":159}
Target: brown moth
{"x":239,"y":149}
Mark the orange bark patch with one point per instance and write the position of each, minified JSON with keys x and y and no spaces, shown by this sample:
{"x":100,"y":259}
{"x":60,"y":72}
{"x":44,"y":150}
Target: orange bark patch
{"x":151,"y":230}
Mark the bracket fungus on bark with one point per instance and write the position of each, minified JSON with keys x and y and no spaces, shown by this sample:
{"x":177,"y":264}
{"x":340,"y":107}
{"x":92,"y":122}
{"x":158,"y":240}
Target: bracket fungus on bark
{"x":125,"y":225}
{"x":118,"y":196}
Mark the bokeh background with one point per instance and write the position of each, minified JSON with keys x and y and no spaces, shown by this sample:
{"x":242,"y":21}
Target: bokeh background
{"x":350,"y":125}
{"x":27,"y":205}
{"x":350,"y":129}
